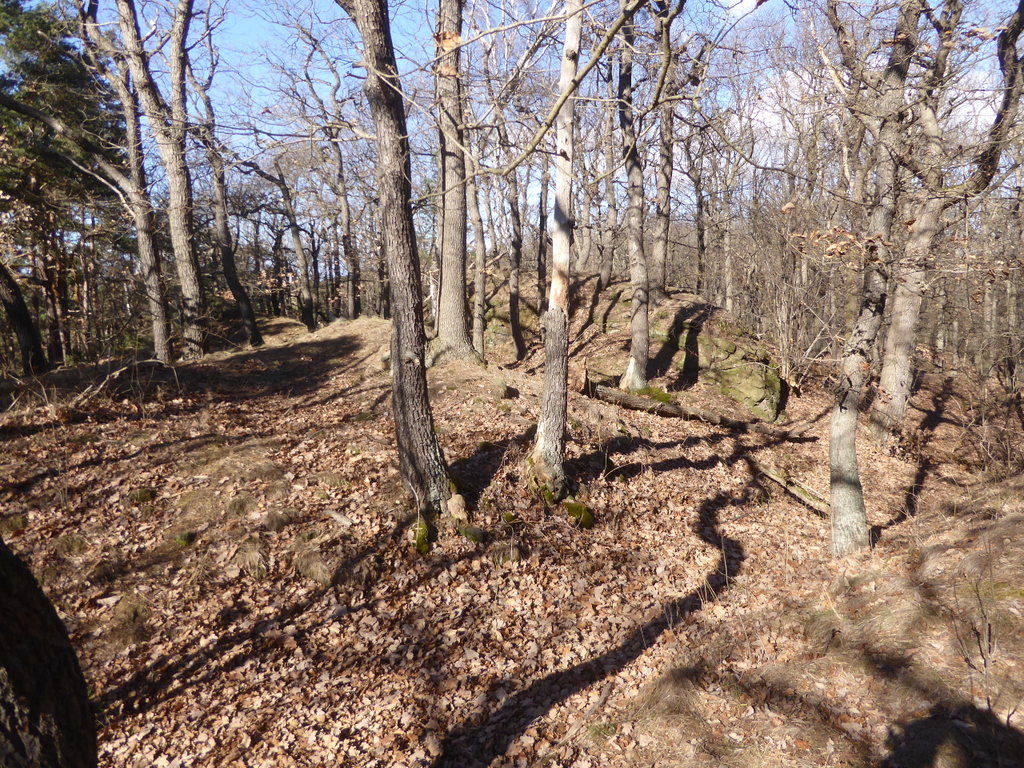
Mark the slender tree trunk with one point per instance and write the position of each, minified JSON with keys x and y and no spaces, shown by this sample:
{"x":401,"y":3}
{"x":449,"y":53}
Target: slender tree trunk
{"x":226,"y":251}
{"x":46,"y":720}
{"x":348,"y":251}
{"x":542,"y":238}
{"x":728,"y":278}
{"x":452,"y":340}
{"x":666,"y":147}
{"x":612,"y":215}
{"x":635,"y":376}
{"x":30,"y":341}
{"x":515,"y":256}
{"x":421,"y":461}
{"x":479,"y":268}
{"x":142,"y":216}
{"x":548,"y":452}
{"x":206,"y":133}
{"x":307,"y":311}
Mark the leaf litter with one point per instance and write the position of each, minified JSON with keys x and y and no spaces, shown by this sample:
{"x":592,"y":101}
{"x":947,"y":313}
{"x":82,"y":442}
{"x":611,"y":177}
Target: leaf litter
{"x":233,"y":560}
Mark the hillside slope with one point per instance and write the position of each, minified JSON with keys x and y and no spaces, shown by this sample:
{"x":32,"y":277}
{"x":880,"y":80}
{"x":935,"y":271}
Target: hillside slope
{"x":229,"y":548}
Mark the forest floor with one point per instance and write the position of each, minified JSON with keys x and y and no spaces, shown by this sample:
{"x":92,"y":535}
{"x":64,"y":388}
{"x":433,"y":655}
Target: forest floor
{"x":229,"y":546}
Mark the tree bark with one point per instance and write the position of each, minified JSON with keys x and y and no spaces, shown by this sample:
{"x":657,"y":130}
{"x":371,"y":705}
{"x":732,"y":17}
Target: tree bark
{"x":100,"y":51}
{"x":612,"y":214}
{"x":635,"y":376}
{"x":548,"y":453}
{"x":45,"y":717}
{"x":307,"y":311}
{"x":666,"y":147}
{"x":206,"y":133}
{"x":168,"y":123}
{"x":479,"y":268}
{"x":452,"y":339}
{"x":542,"y":238}
{"x":30,"y":341}
{"x":896,"y":380}
{"x":850,"y":531}
{"x":421,"y":461}
{"x":225,"y":248}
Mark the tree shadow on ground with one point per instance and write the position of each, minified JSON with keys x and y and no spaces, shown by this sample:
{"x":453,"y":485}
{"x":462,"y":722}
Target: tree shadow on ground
{"x":475,"y":473}
{"x":689,"y":318}
{"x":477,"y":742}
{"x":959,"y":735}
{"x":933,"y":417}
{"x":166,"y":677}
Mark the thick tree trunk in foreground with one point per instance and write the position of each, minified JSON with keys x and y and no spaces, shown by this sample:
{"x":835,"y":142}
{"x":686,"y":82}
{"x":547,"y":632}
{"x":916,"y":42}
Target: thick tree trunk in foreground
{"x":635,"y":376}
{"x":421,"y":461}
{"x":45,"y":717}
{"x":30,"y":342}
{"x":549,"y":449}
{"x":452,"y":339}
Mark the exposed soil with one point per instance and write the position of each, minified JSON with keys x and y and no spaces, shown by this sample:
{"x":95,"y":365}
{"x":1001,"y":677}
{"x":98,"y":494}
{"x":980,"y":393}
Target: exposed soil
{"x":229,"y":545}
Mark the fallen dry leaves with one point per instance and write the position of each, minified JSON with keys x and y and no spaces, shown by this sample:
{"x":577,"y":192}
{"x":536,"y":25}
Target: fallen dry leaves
{"x":233,"y":561}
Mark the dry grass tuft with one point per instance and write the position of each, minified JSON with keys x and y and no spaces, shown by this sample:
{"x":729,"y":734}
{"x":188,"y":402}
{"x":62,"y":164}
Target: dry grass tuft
{"x":251,"y":558}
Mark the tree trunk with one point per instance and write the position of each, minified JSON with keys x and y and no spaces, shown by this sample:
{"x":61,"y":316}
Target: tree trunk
{"x":307,"y":311}
{"x":168,"y":123}
{"x":612,"y":216}
{"x":226,"y":251}
{"x":207,"y":136}
{"x":479,"y":268}
{"x":548,"y":453}
{"x":149,"y":259}
{"x":452,"y":340}
{"x":666,"y":146}
{"x":348,"y":251}
{"x":515,"y":255}
{"x":30,"y":341}
{"x":45,"y":717}
{"x":421,"y":461}
{"x":635,"y":376}
{"x":897,"y":378}
{"x":542,"y":238}
{"x":849,"y":519}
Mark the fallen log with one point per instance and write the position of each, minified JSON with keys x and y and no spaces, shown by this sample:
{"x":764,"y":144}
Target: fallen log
{"x":793,"y":487}
{"x":640,"y":403}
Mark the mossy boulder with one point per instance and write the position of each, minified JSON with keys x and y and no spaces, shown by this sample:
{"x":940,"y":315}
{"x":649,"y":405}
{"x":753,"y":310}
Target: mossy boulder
{"x":731,"y":360}
{"x":756,"y":383}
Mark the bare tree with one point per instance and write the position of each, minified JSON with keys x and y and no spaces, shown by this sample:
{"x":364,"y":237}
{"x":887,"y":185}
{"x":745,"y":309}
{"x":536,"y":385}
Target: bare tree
{"x":635,"y":375}
{"x":549,"y":448}
{"x":168,"y":119}
{"x":421,"y":461}
{"x":205,"y":131}
{"x":452,"y":339}
{"x":927,"y":157}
